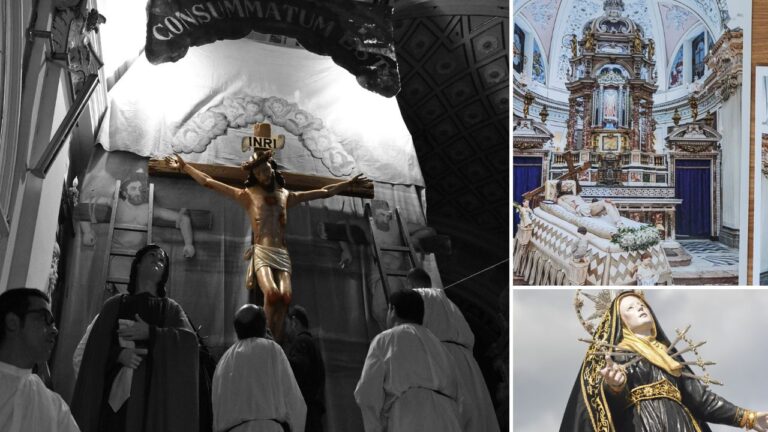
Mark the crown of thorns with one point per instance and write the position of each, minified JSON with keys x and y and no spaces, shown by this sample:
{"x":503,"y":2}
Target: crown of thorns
{"x":257,"y":159}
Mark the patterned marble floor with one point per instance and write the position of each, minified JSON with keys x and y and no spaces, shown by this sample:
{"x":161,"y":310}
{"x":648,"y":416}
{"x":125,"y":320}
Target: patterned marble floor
{"x":714,"y":253}
{"x":711,"y":261}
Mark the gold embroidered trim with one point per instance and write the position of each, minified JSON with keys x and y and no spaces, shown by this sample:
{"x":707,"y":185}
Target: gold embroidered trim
{"x":694,"y":422}
{"x":658,"y":389}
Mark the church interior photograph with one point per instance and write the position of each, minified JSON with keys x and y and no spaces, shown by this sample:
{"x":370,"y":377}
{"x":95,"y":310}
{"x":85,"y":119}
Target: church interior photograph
{"x":239,"y":215}
{"x":632,"y":160}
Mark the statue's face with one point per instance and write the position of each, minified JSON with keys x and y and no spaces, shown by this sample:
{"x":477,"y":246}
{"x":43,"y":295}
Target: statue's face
{"x":135,"y":193}
{"x":263,"y":173}
{"x":152,"y":265}
{"x":635,"y":314}
{"x":382,"y":217}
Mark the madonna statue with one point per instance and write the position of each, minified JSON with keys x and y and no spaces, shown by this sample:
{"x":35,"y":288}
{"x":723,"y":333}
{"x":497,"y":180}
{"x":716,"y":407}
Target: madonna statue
{"x":633,"y":379}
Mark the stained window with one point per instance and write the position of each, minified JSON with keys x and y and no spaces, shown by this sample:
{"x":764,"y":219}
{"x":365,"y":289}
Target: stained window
{"x":677,"y":72}
{"x":519,"y":50}
{"x":698,"y":51}
{"x":539,"y":70}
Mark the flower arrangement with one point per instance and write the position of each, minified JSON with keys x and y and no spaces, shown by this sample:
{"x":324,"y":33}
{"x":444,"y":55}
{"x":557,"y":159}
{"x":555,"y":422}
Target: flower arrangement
{"x":636,"y":239}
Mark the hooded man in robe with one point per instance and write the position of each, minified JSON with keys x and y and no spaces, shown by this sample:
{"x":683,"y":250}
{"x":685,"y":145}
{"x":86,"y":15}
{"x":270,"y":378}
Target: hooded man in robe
{"x":254,"y":389}
{"x":408,"y":382}
{"x":444,"y":319}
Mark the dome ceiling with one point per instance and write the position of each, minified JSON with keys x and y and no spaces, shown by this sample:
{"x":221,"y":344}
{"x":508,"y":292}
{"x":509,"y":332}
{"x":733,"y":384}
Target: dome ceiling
{"x":666,"y":20}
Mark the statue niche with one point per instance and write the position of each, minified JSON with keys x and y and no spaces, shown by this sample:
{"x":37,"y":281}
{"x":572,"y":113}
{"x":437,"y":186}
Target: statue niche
{"x":612,"y":98}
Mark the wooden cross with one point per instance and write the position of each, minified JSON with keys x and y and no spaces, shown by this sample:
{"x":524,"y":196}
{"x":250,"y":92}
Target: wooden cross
{"x":572,"y":171}
{"x":572,"y":174}
{"x":262,"y":140}
{"x":236,"y":177}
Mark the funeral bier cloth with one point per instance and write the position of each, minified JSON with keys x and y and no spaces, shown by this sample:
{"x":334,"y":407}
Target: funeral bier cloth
{"x":444,"y":319}
{"x":308,"y":369}
{"x":164,"y":388}
{"x":408,"y":383}
{"x":27,"y":405}
{"x":254,"y":390}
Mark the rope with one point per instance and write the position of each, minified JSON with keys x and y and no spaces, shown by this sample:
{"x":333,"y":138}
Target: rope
{"x":481,"y":271}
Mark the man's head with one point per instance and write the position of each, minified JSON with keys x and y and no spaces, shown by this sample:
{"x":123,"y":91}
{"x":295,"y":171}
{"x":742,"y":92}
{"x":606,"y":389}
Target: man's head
{"x":150,"y":263}
{"x":646,"y":258}
{"x":134,"y":189}
{"x":26,"y":325}
{"x":419,"y":278}
{"x":382,"y":215}
{"x":262,"y":171}
{"x":405,"y":306}
{"x":564,"y":188}
{"x":250,"y":322}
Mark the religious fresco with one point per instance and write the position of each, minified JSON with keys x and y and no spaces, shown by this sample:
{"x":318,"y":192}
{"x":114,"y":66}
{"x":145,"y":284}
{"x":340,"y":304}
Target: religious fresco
{"x":541,"y":15}
{"x":677,"y":21}
{"x":518,"y":50}
{"x":698,"y":51}
{"x":677,"y":71}
{"x":539,"y":69}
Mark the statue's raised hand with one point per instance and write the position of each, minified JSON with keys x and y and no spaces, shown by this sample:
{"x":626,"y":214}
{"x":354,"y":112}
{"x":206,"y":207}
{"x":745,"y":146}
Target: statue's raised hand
{"x":175,"y":162}
{"x":358,"y":181}
{"x":613,"y":374}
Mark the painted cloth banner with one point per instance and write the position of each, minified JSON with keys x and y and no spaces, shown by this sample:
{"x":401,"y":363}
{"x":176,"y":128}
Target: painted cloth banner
{"x":357,"y":35}
{"x":205,"y":104}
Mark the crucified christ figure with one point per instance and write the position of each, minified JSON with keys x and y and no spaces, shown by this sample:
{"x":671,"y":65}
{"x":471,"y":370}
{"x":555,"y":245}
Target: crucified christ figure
{"x":266,"y":201}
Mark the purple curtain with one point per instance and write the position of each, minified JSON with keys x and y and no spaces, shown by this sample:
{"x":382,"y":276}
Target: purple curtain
{"x":693,"y":186}
{"x":527,"y":176}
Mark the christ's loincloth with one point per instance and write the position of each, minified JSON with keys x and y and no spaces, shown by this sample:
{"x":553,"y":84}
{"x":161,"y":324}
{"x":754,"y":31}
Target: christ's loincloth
{"x":260,"y":256}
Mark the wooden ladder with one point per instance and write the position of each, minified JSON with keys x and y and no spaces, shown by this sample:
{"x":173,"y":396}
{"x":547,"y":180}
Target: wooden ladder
{"x":110,"y":281}
{"x":405,"y":247}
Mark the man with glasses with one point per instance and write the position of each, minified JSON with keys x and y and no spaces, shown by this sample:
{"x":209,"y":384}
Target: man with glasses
{"x":27,"y":336}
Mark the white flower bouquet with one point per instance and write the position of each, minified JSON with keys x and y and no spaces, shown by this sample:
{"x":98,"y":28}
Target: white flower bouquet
{"x":636,"y":239}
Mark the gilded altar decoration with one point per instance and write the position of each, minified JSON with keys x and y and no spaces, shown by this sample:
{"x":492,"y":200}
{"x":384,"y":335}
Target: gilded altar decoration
{"x":544,"y":114}
{"x":527,"y":101}
{"x":725,"y":60}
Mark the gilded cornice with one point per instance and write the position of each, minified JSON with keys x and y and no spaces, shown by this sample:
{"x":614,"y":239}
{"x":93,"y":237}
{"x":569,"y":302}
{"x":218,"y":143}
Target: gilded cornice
{"x":725,"y":61}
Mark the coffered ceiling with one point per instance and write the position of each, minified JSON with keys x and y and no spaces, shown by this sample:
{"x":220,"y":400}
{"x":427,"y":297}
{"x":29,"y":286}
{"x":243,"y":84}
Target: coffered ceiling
{"x":454,"y":66}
